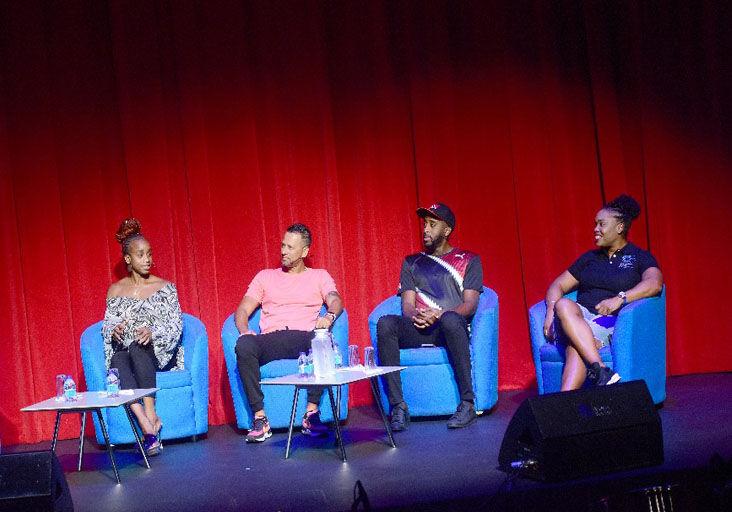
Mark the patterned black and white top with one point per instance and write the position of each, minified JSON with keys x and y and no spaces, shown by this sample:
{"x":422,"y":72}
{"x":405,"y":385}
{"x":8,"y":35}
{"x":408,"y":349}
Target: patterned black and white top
{"x":160,"y":313}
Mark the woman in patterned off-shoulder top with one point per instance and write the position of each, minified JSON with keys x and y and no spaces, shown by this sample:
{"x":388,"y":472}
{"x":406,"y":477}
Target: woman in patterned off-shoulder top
{"x":142,"y":328}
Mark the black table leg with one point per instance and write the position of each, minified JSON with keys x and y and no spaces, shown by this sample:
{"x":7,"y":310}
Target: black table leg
{"x":137,"y":436}
{"x":55,"y":431}
{"x":81,"y":437}
{"x":377,"y":397}
{"x":338,"y":402}
{"x":110,"y":450}
{"x":292,"y":422}
{"x":337,"y":423}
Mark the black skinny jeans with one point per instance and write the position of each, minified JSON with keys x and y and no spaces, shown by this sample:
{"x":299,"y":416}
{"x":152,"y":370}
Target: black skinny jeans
{"x":254,"y":351}
{"x":137,"y":365}
{"x":450,"y":331}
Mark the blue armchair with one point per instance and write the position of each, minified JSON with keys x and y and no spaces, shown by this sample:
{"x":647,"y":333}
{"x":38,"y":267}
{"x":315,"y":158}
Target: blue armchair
{"x":182,"y":401}
{"x":428,"y":382}
{"x":637,"y":351}
{"x":277,"y":399}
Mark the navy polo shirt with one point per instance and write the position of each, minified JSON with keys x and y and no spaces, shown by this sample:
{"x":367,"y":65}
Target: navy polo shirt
{"x":601,"y":277}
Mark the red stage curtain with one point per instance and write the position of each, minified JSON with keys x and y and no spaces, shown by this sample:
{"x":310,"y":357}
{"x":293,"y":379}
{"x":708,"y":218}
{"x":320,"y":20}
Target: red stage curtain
{"x":218,"y":125}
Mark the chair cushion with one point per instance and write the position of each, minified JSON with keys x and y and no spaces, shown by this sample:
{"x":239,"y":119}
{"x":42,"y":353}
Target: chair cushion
{"x":278,"y":368}
{"x":173,"y":379}
{"x":555,"y":353}
{"x":423,"y":356}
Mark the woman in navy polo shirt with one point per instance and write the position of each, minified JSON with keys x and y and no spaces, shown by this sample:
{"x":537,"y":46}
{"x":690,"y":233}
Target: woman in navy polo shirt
{"x":606,"y":279}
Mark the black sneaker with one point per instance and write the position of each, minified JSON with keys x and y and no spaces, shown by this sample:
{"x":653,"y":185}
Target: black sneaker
{"x":399,"y":417}
{"x":601,"y":375}
{"x":312,"y":426}
{"x":464,"y":416}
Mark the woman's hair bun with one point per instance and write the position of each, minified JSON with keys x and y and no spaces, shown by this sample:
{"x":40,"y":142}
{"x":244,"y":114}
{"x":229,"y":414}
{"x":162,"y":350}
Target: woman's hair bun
{"x":627,"y":206}
{"x":128,"y":228}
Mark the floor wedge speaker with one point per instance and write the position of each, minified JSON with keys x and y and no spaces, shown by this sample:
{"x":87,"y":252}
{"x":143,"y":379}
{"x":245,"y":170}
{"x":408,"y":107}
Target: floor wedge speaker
{"x":33,"y":481}
{"x":560,"y":436}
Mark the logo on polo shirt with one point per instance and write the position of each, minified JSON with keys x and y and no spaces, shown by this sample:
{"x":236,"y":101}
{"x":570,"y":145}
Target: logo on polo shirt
{"x":627,"y":261}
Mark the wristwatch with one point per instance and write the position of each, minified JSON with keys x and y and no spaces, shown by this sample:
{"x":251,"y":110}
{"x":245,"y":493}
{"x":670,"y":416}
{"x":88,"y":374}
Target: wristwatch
{"x":330,"y":315}
{"x":623,"y":296}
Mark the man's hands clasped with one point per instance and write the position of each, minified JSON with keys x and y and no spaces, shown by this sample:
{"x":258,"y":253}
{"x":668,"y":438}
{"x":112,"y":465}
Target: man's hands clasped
{"x":425,"y":317}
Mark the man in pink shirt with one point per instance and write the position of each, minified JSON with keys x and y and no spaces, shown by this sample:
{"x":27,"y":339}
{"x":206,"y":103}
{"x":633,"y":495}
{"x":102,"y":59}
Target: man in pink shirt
{"x":291,"y":298}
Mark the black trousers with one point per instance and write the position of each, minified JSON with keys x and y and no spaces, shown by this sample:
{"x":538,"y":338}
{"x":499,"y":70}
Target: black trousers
{"x":450,"y":331}
{"x":252,"y":352}
{"x":137,"y":365}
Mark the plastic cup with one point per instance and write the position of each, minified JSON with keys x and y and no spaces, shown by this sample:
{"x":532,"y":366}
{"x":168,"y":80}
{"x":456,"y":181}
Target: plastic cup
{"x":60,"y":378}
{"x":369,"y":359}
{"x":353,"y":355}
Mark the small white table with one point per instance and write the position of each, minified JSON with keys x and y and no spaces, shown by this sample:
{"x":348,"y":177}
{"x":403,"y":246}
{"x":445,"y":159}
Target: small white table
{"x":341,"y":377}
{"x":95,"y":401}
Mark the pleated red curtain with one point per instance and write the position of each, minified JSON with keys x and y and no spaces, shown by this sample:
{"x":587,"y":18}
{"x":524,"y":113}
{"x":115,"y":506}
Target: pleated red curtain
{"x":218,"y":125}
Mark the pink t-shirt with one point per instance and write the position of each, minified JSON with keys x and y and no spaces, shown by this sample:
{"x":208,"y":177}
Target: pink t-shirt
{"x":290,"y":301}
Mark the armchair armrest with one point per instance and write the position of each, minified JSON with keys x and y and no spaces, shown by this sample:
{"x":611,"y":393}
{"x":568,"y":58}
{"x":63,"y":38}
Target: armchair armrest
{"x":390,"y":306}
{"x":639,"y":343}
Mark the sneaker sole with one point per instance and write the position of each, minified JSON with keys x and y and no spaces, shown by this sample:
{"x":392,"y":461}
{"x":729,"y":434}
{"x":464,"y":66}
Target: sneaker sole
{"x":259,"y":439}
{"x":313,"y":434}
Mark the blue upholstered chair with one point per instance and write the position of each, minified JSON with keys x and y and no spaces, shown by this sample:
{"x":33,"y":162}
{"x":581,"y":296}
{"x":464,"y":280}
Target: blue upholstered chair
{"x":637,"y":351}
{"x":182,"y":402}
{"x":428,"y":382}
{"x":278,"y":399}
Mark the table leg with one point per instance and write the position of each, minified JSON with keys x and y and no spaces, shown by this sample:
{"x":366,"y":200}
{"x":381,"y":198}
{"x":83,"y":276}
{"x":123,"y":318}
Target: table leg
{"x":110,"y":450}
{"x":292,"y":422}
{"x":81,"y":438}
{"x":337,"y":423}
{"x":338,"y":402}
{"x":137,"y":435}
{"x":55,"y":431}
{"x":377,"y":397}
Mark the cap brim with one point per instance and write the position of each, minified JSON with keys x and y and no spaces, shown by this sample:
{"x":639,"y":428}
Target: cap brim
{"x":424,"y":212}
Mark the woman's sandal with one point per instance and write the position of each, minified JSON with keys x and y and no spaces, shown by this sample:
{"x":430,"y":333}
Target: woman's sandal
{"x":152,"y":445}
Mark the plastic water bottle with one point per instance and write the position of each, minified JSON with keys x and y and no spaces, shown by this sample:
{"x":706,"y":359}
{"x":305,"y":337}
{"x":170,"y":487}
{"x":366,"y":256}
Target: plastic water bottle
{"x":302,"y":363}
{"x":69,"y":389}
{"x":113,"y":382}
{"x":309,"y":363}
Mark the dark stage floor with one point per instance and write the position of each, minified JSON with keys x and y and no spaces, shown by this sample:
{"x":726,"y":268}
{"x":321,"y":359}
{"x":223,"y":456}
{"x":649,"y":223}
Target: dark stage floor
{"x":431,"y":468}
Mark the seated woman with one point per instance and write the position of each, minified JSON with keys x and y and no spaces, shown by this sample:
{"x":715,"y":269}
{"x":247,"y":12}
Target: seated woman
{"x":142,"y":328}
{"x":606,"y":279}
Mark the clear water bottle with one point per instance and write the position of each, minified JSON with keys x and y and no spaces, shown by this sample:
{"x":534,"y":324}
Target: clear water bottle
{"x":309,"y":363}
{"x":69,"y":389}
{"x":302,"y":363}
{"x":113,"y":382}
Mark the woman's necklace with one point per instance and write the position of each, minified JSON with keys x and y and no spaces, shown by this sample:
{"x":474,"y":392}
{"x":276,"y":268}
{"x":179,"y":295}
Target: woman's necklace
{"x":137,"y":289}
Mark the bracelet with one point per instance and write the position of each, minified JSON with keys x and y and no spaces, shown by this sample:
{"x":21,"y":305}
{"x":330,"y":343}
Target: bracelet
{"x":330,"y":315}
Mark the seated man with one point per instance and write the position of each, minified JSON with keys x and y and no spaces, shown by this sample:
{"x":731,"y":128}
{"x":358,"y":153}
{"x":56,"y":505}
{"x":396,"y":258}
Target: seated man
{"x":291,"y":298}
{"x":439,"y":288}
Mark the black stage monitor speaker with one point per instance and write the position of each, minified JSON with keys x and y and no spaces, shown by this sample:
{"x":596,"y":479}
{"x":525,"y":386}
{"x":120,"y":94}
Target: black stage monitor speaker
{"x":567,"y":435}
{"x":33,"y":481}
